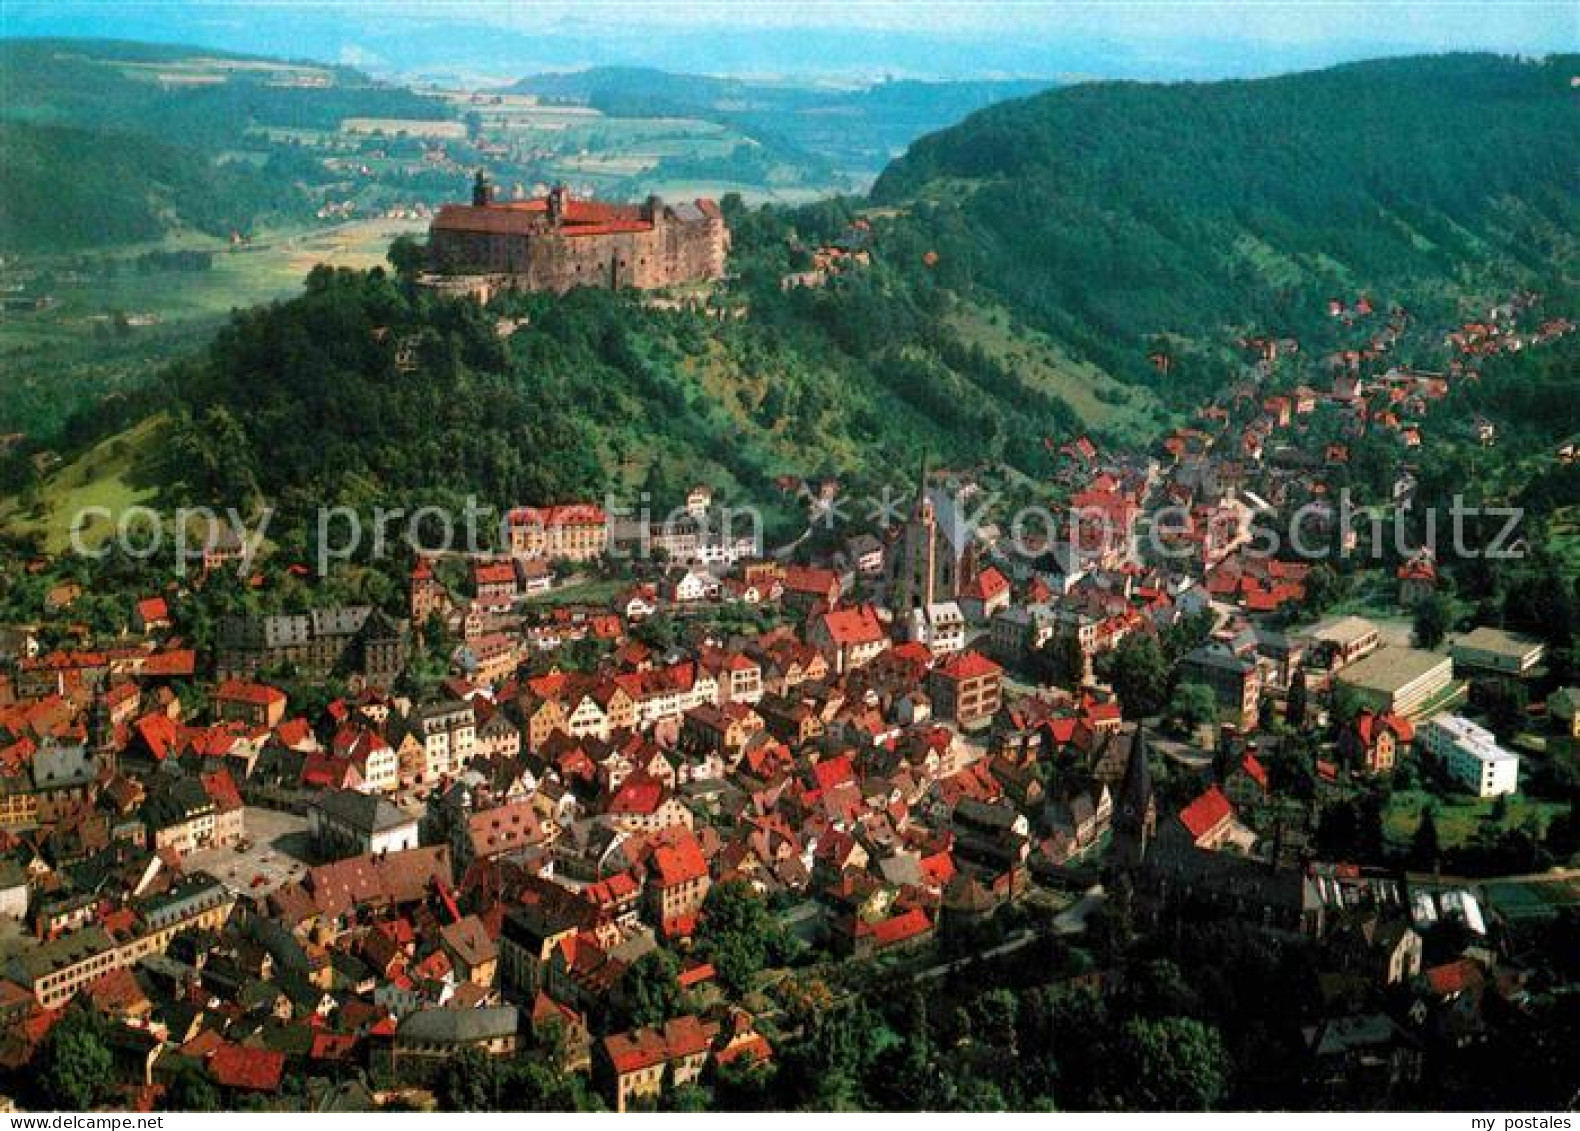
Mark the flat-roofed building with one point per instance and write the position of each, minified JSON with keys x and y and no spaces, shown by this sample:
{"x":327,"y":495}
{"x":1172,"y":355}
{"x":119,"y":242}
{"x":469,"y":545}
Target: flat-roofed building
{"x":1402,"y":680}
{"x":1471,"y":755}
{"x":1493,"y":651}
{"x":1346,"y":639}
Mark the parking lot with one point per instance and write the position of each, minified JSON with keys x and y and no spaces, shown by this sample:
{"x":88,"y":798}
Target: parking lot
{"x":276,"y":848}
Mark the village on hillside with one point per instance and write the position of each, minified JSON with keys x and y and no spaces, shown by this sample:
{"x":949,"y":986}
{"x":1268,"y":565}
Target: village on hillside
{"x":648,"y":815}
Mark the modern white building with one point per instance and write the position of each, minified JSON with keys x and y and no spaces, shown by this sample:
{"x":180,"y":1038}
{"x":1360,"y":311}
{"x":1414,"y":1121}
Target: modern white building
{"x":1470,"y":755}
{"x":1493,"y":650}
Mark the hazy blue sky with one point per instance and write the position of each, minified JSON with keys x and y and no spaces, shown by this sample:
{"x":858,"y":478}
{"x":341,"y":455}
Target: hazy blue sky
{"x":1194,"y":37}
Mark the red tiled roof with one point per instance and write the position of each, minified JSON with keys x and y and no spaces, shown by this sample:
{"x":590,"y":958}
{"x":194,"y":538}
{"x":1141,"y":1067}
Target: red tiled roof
{"x":579,"y":218}
{"x":857,"y":625}
{"x":986,"y":585}
{"x":639,"y":794}
{"x":254,"y":694}
{"x":247,"y":1069}
{"x":1103,"y":713}
{"x":293,"y":732}
{"x":494,"y":573}
{"x":501,"y":829}
{"x":221,"y":788}
{"x":1369,"y":726}
{"x":332,"y":1046}
{"x":912,"y":651}
{"x":115,"y":989}
{"x":1206,"y":813}
{"x":1453,"y":977}
{"x":834,"y":771}
{"x":969,"y":665}
{"x":203,"y":1045}
{"x":678,"y":927}
{"x":1062,"y":730}
{"x":696,"y":975}
{"x":644,"y":1048}
{"x":939,"y":868}
{"x":810,"y":580}
{"x":569,"y":514}
{"x":1256,"y":771}
{"x":160,"y":733}
{"x":679,"y":859}
{"x":899,"y":928}
{"x":176,"y":662}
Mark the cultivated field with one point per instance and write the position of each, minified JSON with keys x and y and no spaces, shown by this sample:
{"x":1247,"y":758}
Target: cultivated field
{"x":405,"y":127}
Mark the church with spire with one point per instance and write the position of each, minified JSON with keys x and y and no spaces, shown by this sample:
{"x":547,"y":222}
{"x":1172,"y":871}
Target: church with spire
{"x":1136,"y":809}
{"x":929,"y":565}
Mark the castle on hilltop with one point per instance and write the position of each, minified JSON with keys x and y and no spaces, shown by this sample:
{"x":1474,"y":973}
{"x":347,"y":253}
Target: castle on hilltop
{"x":556,"y":242}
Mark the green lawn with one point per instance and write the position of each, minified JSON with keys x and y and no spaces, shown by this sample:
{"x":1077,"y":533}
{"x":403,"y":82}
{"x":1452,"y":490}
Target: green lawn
{"x":1375,"y":596}
{"x":115,"y":474}
{"x":593,"y":592}
{"x":1459,"y":816}
{"x":1129,"y":411}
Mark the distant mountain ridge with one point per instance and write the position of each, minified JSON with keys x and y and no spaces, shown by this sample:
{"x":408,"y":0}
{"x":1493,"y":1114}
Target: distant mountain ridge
{"x":862,"y":126}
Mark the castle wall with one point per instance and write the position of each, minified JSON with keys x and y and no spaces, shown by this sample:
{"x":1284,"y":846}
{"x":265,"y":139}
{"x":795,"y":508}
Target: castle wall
{"x":669,"y":253}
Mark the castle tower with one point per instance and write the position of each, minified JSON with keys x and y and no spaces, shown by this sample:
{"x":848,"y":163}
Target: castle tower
{"x":559,"y":197}
{"x":482,"y":190}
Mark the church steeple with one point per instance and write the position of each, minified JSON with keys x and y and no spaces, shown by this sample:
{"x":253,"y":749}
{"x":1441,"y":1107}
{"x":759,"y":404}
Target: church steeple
{"x":1135,"y":811}
{"x":924,"y":505}
{"x":97,"y":723}
{"x":915,"y":564}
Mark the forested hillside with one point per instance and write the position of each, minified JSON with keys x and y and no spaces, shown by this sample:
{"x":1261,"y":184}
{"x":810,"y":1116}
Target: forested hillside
{"x":69,"y":188}
{"x":304,"y":400}
{"x":1019,"y":265}
{"x":107,"y":143}
{"x":1110,"y":212}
